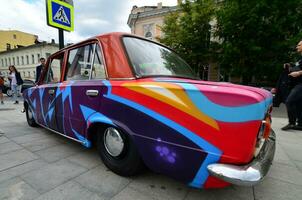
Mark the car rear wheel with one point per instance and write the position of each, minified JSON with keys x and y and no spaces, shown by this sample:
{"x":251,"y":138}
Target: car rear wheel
{"x":118,"y":152}
{"x":30,"y":117}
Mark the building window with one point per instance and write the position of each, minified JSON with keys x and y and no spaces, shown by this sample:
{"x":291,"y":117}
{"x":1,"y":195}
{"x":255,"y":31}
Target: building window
{"x":14,"y":63}
{"x":47,"y":55}
{"x":32,"y":59}
{"x":148,"y":35}
{"x":15,"y":36}
{"x":5,"y":61}
{"x":9,"y":61}
{"x":18,"y":61}
{"x":22,"y":60}
{"x":8,"y":47}
{"x":2,"y":62}
{"x":38,"y":56}
{"x":148,"y":31}
{"x":27,"y":60}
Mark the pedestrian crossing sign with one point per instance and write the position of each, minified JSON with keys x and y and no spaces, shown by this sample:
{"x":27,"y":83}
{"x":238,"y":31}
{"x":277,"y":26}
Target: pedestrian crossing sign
{"x":60,"y":14}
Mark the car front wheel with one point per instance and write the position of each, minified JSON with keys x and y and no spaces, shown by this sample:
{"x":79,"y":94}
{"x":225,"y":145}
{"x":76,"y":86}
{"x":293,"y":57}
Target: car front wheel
{"x":30,"y":117}
{"x":118,"y":152}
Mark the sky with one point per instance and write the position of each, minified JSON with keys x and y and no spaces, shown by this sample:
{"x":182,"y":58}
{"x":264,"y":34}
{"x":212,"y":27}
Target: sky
{"x":92,"y":17}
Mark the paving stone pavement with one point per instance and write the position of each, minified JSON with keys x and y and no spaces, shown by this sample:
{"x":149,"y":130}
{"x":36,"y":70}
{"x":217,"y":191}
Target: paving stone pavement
{"x":38,"y":164}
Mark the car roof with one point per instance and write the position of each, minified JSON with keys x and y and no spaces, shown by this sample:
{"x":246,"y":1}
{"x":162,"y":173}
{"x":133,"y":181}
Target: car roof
{"x":115,"y":57}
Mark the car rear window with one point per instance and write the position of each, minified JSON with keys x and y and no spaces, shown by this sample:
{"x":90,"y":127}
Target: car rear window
{"x":151,"y":59}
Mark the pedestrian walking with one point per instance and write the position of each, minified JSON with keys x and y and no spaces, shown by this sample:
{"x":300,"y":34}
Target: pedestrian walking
{"x":15,"y":82}
{"x":40,"y":68}
{"x":294,"y":99}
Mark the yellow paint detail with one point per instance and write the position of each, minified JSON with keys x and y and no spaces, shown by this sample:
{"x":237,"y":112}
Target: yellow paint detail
{"x":182,"y":102}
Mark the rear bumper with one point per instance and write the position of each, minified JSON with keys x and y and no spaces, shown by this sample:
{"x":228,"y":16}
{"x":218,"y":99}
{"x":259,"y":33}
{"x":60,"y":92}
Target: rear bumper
{"x":251,"y":173}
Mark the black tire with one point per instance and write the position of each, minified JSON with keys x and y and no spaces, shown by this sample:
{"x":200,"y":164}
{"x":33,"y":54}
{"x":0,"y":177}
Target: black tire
{"x":128,"y":162}
{"x":29,"y":117}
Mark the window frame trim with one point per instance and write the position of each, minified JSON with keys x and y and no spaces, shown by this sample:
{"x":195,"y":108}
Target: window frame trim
{"x":67,"y":60}
{"x":95,"y":43}
{"x":104,"y":63}
{"x":48,"y":66}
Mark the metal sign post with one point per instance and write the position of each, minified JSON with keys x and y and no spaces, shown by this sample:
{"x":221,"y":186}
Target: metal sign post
{"x":60,"y":14}
{"x":61,"y":38}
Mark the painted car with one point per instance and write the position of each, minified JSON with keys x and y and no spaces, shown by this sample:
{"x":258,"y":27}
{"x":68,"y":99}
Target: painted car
{"x":142,"y":105}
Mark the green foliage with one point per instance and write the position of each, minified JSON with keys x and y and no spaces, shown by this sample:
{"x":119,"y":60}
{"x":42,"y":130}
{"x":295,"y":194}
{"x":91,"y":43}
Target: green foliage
{"x":188,"y":32}
{"x":258,"y":36}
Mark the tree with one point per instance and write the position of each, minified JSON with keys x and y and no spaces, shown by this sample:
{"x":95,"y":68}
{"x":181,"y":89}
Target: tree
{"x":258,"y":36}
{"x":188,"y":31}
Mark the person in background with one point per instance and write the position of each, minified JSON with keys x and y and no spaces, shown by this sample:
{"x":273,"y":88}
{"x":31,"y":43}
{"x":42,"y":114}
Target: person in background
{"x":283,"y":86}
{"x":1,"y":87}
{"x":294,"y":99}
{"x":15,"y":82}
{"x":40,"y":68}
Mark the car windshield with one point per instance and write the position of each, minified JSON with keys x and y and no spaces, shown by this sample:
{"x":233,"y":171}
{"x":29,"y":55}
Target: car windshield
{"x":151,"y":59}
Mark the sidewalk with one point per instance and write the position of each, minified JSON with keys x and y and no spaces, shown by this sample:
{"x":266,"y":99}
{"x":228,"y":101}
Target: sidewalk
{"x":8,"y":101}
{"x":38,"y":164}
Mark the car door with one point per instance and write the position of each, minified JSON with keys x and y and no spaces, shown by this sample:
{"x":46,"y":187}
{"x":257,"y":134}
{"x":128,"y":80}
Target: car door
{"x":48,"y":91}
{"x":81,"y":90}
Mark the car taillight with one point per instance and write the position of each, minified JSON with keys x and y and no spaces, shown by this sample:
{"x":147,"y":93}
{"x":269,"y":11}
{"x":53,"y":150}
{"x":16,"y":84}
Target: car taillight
{"x":267,"y":127}
{"x":270,"y":110}
{"x":264,"y":132}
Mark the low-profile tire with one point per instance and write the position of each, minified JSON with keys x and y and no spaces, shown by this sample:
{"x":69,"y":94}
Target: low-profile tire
{"x":118,"y":152}
{"x":29,"y":117}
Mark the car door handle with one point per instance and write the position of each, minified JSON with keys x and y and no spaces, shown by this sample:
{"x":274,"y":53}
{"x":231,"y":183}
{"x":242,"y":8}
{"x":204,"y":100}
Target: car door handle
{"x":92,"y":93}
{"x":51,"y":92}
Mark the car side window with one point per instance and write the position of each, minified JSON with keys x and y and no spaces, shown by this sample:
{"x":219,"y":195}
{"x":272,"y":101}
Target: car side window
{"x":98,"y":68}
{"x":55,"y":69}
{"x":80,"y":62}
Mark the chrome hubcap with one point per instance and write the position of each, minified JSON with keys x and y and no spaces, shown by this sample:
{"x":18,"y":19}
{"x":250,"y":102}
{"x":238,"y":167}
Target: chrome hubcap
{"x":113,"y":141}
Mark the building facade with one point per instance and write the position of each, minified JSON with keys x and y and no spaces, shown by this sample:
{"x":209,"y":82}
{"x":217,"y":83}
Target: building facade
{"x":25,"y":59}
{"x":13,"y":39}
{"x":147,"y":21}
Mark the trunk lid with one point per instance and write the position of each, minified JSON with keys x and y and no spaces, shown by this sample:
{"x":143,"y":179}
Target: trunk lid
{"x":226,"y":88}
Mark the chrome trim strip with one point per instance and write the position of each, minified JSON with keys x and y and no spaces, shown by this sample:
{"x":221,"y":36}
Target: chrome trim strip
{"x":92,"y":61}
{"x":103,"y":57}
{"x":92,"y":93}
{"x":252,"y":173}
{"x":60,"y":133}
{"x":51,"y":91}
{"x":122,"y":79}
